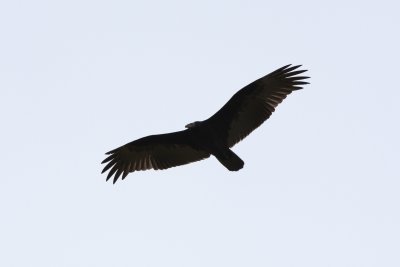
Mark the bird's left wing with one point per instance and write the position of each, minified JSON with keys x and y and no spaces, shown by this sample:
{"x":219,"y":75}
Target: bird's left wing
{"x":156,"y":152}
{"x":254,"y":103}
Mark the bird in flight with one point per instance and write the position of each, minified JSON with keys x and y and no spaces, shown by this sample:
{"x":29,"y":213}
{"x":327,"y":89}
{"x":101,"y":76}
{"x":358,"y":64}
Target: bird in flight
{"x":243,"y":113}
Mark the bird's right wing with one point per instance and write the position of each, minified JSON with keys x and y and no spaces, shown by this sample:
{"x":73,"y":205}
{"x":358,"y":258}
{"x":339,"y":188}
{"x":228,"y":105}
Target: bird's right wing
{"x":153,"y":152}
{"x":254,"y":104}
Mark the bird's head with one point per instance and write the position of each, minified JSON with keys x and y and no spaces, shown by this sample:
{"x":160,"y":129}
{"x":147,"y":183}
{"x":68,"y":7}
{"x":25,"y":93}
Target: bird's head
{"x":193,"y":124}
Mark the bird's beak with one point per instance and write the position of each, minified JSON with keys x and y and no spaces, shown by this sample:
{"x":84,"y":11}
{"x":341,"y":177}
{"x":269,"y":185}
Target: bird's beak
{"x":190,"y":125}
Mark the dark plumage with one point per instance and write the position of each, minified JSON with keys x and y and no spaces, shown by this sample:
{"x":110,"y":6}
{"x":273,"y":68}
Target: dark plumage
{"x":243,"y":113}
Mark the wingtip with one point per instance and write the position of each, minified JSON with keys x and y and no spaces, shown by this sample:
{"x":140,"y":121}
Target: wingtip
{"x":285,"y":69}
{"x":113,"y":151}
{"x":291,"y":69}
{"x":112,"y":171}
{"x":125,"y":174}
{"x":109,"y":158}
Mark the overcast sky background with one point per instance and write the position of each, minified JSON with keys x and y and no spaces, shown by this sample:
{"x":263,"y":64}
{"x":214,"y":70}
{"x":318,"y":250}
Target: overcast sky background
{"x":321,"y":181}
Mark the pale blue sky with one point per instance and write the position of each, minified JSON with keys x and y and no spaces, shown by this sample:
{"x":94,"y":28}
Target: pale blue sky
{"x":321,"y":181}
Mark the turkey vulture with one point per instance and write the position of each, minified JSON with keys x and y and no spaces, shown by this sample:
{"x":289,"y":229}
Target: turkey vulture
{"x":243,"y":113}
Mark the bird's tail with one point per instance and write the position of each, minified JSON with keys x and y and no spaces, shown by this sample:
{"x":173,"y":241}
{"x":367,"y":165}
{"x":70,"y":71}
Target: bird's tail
{"x":230,"y":160}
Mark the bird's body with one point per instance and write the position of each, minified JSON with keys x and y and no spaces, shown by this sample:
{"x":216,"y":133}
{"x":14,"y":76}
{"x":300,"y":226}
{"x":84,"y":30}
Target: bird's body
{"x":214,"y":143}
{"x":243,"y":113}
